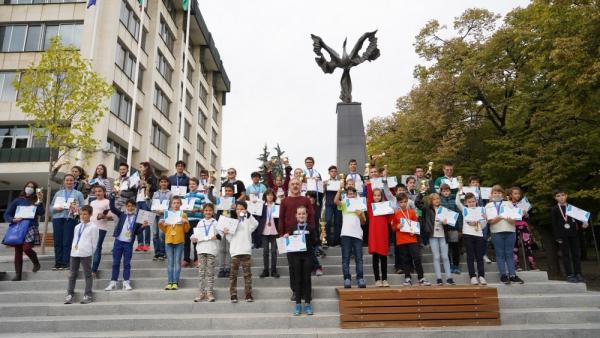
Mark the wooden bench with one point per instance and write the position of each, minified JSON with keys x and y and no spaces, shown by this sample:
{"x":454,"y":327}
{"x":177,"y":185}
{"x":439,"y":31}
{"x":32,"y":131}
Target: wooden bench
{"x":418,"y":307}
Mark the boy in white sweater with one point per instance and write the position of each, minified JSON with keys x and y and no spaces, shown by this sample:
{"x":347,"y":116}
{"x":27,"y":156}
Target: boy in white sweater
{"x":85,"y":239}
{"x":207,"y":238}
{"x":240,"y":248}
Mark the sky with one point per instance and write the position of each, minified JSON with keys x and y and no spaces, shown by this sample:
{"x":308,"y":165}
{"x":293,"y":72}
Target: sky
{"x":278,"y":92}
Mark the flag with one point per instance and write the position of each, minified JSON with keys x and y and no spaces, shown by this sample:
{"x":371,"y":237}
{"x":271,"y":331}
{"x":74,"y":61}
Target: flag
{"x":185,"y":4}
{"x":91,"y":3}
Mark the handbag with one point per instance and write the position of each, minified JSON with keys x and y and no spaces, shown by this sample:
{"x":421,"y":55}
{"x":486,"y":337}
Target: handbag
{"x":15,"y":235}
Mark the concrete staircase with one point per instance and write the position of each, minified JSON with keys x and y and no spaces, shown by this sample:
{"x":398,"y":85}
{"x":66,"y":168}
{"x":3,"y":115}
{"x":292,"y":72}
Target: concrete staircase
{"x":33,"y":307}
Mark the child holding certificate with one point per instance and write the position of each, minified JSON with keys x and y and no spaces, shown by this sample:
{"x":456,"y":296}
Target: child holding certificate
{"x":224,"y":257}
{"x":174,"y":224}
{"x":378,"y":239}
{"x":351,"y":238}
{"x":194,"y":200}
{"x":454,"y":233}
{"x":240,"y":247}
{"x":503,"y":236}
{"x":407,"y":240}
{"x":474,"y":223}
{"x":160,"y":203}
{"x":82,"y":249}
{"x":267,"y":228}
{"x":516,"y":198}
{"x":101,"y":217}
{"x":565,"y":233}
{"x":206,"y":236}
{"x":436,"y":231}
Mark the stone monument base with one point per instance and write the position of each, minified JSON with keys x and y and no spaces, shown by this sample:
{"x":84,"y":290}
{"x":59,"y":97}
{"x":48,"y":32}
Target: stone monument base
{"x":351,"y":141}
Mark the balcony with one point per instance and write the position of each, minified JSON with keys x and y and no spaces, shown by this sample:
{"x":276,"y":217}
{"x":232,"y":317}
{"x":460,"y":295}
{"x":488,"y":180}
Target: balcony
{"x":25,"y":155}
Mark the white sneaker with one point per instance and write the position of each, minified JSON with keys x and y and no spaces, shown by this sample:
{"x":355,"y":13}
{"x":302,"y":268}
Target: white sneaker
{"x":487,"y":260}
{"x":474,"y":281}
{"x":482,"y":281}
{"x":378,"y":284}
{"x":385,"y":284}
{"x":111,"y":286}
{"x":127,"y":286}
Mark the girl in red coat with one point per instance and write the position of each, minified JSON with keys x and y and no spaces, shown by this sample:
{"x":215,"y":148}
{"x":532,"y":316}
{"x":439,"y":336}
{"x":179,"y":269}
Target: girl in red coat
{"x":378,"y":237}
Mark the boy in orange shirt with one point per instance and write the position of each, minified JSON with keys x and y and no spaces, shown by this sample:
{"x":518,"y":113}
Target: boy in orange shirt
{"x":407,"y":241}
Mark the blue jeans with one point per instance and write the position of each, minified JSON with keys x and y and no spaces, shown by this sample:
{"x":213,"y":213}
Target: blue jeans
{"x":158,"y":240}
{"x":439,"y":250}
{"x":352,"y":245}
{"x":121,"y":250}
{"x":334,"y":221}
{"x":63,"y":229}
{"x":143,"y":236}
{"x":504,"y":242}
{"x":174,"y":256}
{"x":98,"y":252}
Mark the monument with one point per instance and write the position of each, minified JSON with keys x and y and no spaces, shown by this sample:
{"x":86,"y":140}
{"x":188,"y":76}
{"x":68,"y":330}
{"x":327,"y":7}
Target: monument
{"x":351,"y":142}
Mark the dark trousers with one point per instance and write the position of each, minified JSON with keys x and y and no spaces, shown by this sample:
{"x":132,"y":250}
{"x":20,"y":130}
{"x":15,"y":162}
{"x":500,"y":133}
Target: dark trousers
{"x":63,"y":229}
{"x":474,"y":254}
{"x":380,"y":259}
{"x":571,"y":255}
{"x":411,"y":256}
{"x":454,"y":253}
{"x":301,"y":268}
{"x":121,"y":250}
{"x":269,"y":244}
{"x":86,"y":262}
{"x":334,"y":225}
{"x":26,"y":248}
{"x":188,"y":247}
{"x":143,"y":237}
{"x":98,"y":252}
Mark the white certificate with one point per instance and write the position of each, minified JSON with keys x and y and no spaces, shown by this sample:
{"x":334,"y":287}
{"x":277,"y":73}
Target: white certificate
{"x":486,"y":193}
{"x":473,"y":230}
{"x":145,"y":215}
{"x":579,"y":214}
{"x":472,"y":190}
{"x":357,"y":203}
{"x":281,"y":245}
{"x":311,"y":184}
{"x":524,"y":204}
{"x":158,"y":206}
{"x":188,"y":204}
{"x":200,"y":234}
{"x":358,"y":185}
{"x":59,"y":202}
{"x":25,"y":212}
{"x":511,"y":212}
{"x":473,"y":214}
{"x":256,"y":207}
{"x":172,"y":217}
{"x":452,"y":182}
{"x":491,"y":212}
{"x":227,"y":222}
{"x":141,"y":195}
{"x":124,"y":185}
{"x":376,"y":183}
{"x":333,"y":185}
{"x":275,"y":211}
{"x":450,"y":216}
{"x":225,"y":203}
{"x":256,"y":196}
{"x":382,"y":208}
{"x":295,"y":243}
{"x":179,"y":190}
{"x":134,"y":179}
{"x":392,"y":181}
{"x":410,"y":226}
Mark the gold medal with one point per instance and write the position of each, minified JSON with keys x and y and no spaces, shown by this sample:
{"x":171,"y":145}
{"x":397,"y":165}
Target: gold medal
{"x":127,"y":234}
{"x":173,"y":232}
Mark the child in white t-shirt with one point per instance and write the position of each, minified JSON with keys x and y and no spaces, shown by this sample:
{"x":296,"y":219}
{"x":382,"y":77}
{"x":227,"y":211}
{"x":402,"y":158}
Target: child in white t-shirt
{"x":351,"y":239}
{"x":207,"y":247}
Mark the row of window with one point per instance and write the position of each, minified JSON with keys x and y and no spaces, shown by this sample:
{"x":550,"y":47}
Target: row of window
{"x":35,"y":2}
{"x":8,"y":93}
{"x":119,"y":151}
{"x":129,"y":19}
{"x":161,"y":101}
{"x":120,"y":106}
{"x":166,"y":35}
{"x":163,"y":67}
{"x":13,"y":137}
{"x":36,"y":37}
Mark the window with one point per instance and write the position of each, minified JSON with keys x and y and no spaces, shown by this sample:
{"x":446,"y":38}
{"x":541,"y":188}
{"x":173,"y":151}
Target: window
{"x":170,"y":8}
{"x":120,"y":106}
{"x":186,"y":130}
{"x":36,"y":37}
{"x":166,"y":34}
{"x":215,"y":114}
{"x":141,"y":78}
{"x":213,"y":137}
{"x":7,"y":91}
{"x":119,"y":151}
{"x":189,"y":72}
{"x":202,"y":119}
{"x":203,"y":93}
{"x":35,"y":2}
{"x":164,"y":68}
{"x":199,"y":168}
{"x":213,"y":159}
{"x":188,"y":100}
{"x":200,"y":144}
{"x":12,"y":137}
{"x":159,"y":138}
{"x":161,"y":101}
{"x":125,"y":60}
{"x":186,"y":156}
{"x":203,"y":70}
{"x":129,"y":19}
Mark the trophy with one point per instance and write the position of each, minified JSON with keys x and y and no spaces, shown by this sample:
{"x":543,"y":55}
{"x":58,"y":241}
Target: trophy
{"x":323,"y":223}
{"x":212,"y":179}
{"x":116,"y":186}
{"x":424,"y":185}
{"x":459,"y":179}
{"x":367,"y":169}
{"x":39,"y":194}
{"x":429,"y":170}
{"x":342,"y":182}
{"x":286,"y":161}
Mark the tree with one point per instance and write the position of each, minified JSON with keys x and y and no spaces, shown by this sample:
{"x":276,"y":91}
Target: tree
{"x":275,"y":162}
{"x":65,"y":100}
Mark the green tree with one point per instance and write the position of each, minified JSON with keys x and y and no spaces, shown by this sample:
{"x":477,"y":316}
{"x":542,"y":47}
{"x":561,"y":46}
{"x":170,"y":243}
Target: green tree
{"x":273,"y":162}
{"x":65,"y":100}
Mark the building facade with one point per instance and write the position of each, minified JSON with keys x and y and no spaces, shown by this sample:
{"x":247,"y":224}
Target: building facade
{"x":26,"y":27}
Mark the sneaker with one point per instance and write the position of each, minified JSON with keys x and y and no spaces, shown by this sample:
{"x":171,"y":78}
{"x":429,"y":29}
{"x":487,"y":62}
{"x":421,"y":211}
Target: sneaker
{"x":347,"y":284}
{"x":69,"y":299}
{"x":308,"y":309}
{"x":385,"y":284}
{"x":450,"y":281}
{"x":185,"y":264}
{"x":457,"y":270}
{"x":361,"y":283}
{"x":127,"y":286}
{"x":474,"y":281}
{"x":571,"y":279}
{"x":234,"y":299}
{"x":221,"y":274}
{"x":424,"y":282}
{"x":161,"y":258}
{"x":439,"y":282}
{"x":210,"y":297}
{"x":94,"y":275}
{"x":200,"y":298}
{"x":519,"y":269}
{"x":297,"y":309}
{"x":175,"y":286}
{"x":482,"y":281}
{"x":63,"y":267}
{"x":319,"y":272}
{"x":146,"y":247}
{"x":249,"y":297}
{"x":56,"y":267}
{"x":399,"y":271}
{"x":516,"y":279}
{"x":580,"y":278}
{"x":86,"y":300}
{"x":155,"y":258}
{"x":378,"y":284}
{"x":504,"y":279}
{"x":264,"y":274}
{"x":111,"y":286}
{"x":196,"y":264}
{"x":275,"y":274}
{"x":169,"y":286}
{"x":139,"y":248}
{"x":487,"y":259}
{"x":36,"y":267}
{"x":407,"y":281}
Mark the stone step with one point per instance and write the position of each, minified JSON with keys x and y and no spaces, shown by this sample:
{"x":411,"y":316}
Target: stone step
{"x":60,"y":281}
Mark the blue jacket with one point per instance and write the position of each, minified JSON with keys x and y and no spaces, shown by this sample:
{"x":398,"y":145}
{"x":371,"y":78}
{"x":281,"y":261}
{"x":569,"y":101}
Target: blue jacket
{"x":122,"y":219}
{"x":184,"y":180}
{"x":9,"y":214}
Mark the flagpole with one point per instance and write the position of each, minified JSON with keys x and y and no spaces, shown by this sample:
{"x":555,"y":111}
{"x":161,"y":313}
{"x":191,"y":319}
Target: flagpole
{"x":135,"y":86}
{"x":96,"y":10}
{"x":183,"y":84}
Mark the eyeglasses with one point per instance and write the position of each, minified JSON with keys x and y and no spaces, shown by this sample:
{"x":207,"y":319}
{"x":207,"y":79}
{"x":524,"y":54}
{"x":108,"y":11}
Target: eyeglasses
{"x":231,"y":172}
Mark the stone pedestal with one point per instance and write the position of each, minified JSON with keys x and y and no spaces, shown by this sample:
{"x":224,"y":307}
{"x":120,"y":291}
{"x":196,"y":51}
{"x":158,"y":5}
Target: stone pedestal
{"x":351,"y":142}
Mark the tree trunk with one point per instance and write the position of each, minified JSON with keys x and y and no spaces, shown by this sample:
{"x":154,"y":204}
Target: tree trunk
{"x":48,"y":200}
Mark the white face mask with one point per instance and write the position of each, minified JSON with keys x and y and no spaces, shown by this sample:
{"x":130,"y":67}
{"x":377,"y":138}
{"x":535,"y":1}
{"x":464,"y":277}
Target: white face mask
{"x":28,"y":191}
